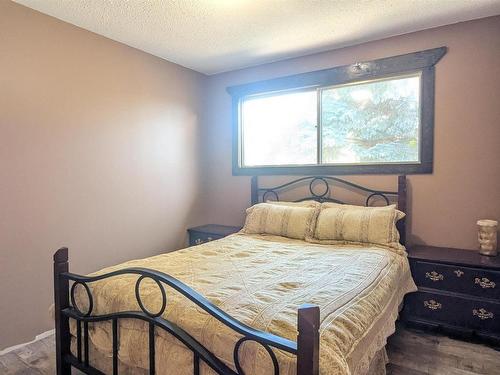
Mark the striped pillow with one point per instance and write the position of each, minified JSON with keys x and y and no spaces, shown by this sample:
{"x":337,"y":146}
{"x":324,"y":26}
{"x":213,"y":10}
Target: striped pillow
{"x":346,"y":223}
{"x":281,"y":220}
{"x":308,"y":203}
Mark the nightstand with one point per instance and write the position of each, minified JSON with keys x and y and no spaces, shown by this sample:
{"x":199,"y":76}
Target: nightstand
{"x":458,"y":293}
{"x":209,"y":232}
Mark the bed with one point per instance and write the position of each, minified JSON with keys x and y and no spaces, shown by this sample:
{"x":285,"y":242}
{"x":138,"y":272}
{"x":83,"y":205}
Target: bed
{"x":249,"y":303}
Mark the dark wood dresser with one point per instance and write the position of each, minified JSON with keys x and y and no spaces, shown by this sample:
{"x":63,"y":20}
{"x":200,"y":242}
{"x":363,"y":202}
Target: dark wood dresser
{"x":209,"y":232}
{"x":458,"y":293}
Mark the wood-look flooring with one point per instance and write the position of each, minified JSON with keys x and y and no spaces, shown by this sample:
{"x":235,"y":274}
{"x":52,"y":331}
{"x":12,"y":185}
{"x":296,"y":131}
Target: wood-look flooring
{"x":414,"y":352}
{"x":411,"y":352}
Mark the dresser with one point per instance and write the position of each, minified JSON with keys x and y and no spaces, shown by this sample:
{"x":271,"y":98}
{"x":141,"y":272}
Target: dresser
{"x":210,"y":232}
{"x":458,"y":293}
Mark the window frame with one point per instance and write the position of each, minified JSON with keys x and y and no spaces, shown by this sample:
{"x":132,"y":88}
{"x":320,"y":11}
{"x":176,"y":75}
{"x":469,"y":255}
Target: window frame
{"x":421,"y":62}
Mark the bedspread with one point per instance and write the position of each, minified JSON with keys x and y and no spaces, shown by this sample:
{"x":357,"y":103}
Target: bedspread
{"x":261,"y":281}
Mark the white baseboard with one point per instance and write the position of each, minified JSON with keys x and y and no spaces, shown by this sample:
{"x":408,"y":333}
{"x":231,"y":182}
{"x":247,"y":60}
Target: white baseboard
{"x":37,"y":337}
{"x":45,"y":334}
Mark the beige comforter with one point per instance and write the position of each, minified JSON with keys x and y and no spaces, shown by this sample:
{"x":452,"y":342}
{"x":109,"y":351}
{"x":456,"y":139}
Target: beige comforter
{"x":261,"y":281}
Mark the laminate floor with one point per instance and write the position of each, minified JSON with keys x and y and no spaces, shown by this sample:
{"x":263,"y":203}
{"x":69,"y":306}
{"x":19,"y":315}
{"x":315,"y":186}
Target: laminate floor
{"x":411,"y":352}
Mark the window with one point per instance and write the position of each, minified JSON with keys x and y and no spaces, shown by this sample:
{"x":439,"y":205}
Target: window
{"x":372,"y":117}
{"x":279,"y":129}
{"x":371,"y":122}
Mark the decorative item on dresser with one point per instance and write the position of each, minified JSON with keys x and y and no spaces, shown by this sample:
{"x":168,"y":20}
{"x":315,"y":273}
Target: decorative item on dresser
{"x":209,"y":232}
{"x":487,"y":237}
{"x":458,"y":293}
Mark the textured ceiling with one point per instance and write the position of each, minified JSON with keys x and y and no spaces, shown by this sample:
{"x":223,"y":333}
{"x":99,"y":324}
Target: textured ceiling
{"x":213,"y":36}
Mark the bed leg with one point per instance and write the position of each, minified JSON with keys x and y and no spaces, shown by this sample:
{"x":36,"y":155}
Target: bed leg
{"x":308,"y":340}
{"x":254,"y":190}
{"x":61,"y":301}
{"x":402,"y":206}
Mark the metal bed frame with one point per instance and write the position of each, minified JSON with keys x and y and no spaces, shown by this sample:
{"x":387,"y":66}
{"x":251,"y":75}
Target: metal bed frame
{"x":306,"y":348}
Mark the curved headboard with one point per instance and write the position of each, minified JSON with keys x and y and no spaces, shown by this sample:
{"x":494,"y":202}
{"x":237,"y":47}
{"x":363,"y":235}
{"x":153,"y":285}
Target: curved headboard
{"x":262,"y":194}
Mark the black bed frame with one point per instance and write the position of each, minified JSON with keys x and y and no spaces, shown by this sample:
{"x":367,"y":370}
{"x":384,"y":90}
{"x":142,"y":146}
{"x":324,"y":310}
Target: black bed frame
{"x":306,"y":348}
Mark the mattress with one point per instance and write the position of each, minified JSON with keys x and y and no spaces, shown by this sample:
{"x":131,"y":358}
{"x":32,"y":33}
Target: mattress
{"x":260,"y":280}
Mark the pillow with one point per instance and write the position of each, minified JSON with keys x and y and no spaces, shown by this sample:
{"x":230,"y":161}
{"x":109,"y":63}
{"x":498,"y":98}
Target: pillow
{"x":346,"y":223}
{"x":281,"y":220}
{"x":308,"y":203}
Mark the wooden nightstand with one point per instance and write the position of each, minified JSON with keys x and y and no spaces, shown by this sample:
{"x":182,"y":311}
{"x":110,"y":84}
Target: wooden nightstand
{"x":458,"y":293}
{"x":209,"y":232}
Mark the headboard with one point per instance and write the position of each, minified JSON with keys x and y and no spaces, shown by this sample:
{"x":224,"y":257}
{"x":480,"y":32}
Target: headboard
{"x":262,"y":194}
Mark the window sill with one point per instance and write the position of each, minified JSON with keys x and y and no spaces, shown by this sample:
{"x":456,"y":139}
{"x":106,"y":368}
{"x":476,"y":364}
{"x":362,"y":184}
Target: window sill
{"x":333,"y":170}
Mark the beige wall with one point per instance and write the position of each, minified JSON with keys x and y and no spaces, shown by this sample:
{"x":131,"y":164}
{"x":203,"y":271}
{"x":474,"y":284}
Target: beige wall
{"x":465,"y":185}
{"x":98,"y":152}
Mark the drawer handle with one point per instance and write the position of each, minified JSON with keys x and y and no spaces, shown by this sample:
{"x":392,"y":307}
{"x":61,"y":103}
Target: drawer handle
{"x":434,"y":276}
{"x":433,"y":305}
{"x":483,"y":314}
{"x":459,"y":273}
{"x":484,"y":283}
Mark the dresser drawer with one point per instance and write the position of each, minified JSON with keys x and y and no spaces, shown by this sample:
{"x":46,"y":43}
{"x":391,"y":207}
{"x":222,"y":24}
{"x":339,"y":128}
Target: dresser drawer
{"x":210,"y":232}
{"x":457,"y":311}
{"x":467,"y":280}
{"x":197,"y":238}
{"x":435,"y":308}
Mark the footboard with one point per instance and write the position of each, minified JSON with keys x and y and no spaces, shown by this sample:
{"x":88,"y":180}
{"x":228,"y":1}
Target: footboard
{"x":306,"y":348}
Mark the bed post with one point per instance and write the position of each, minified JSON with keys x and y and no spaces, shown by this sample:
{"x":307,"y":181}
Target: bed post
{"x":254,"y":187}
{"x":61,"y":301}
{"x":401,"y":225}
{"x":308,"y":340}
